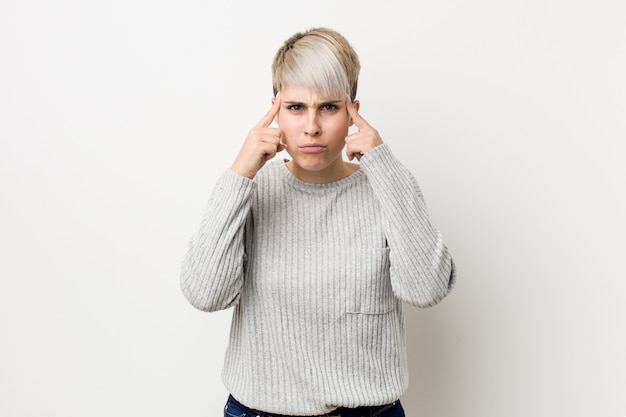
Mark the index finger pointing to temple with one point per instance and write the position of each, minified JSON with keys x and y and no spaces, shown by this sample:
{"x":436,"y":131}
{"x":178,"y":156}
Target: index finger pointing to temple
{"x":271,"y":114}
{"x":359,"y":121}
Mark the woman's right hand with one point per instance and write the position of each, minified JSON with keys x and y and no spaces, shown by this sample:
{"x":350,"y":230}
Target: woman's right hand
{"x":261,"y":145}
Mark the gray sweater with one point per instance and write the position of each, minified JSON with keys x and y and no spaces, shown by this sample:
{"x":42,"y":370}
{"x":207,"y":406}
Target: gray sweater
{"x":317,"y":274}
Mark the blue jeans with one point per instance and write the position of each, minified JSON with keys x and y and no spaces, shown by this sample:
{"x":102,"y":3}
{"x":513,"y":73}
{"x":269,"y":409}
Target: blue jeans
{"x":235,"y":409}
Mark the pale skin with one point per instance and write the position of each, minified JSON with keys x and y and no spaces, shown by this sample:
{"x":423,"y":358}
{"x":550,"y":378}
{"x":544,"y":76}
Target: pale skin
{"x":314,"y":131}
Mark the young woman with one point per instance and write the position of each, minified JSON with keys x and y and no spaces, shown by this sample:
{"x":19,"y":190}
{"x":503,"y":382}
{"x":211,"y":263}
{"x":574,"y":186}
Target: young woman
{"x":316,"y":253}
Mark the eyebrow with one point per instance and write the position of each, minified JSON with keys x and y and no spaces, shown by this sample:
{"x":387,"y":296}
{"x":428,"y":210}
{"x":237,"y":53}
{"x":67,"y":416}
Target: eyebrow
{"x":321,"y":103}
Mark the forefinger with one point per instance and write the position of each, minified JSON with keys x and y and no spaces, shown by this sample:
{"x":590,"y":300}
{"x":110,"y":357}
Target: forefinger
{"x":271,"y":114}
{"x":359,"y":121}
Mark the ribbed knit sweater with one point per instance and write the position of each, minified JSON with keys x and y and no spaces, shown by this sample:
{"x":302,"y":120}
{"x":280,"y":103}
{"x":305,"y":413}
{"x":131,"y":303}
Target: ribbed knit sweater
{"x":317,"y":274}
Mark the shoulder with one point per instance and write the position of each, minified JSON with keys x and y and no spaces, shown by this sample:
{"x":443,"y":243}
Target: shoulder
{"x":271,"y":173}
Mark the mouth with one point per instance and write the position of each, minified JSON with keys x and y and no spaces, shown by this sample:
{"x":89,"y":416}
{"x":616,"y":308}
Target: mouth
{"x":312,"y":148}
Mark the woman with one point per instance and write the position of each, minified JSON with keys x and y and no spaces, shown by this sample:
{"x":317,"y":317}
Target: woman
{"x":316,"y":253}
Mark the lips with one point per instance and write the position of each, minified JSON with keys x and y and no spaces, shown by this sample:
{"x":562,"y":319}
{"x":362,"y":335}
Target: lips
{"x":312,"y":148}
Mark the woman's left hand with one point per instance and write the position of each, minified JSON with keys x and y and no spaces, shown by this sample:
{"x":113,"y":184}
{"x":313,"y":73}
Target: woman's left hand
{"x":365,"y":139}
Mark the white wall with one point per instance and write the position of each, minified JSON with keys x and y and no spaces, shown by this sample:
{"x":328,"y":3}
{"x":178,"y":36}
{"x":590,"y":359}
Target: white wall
{"x":116,"y":118}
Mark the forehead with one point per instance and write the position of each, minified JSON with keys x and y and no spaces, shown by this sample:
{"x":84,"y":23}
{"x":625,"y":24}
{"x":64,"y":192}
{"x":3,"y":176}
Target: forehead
{"x":305,"y":94}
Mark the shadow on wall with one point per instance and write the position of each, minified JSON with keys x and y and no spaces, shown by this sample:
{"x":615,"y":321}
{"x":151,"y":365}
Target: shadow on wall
{"x":434,"y":354}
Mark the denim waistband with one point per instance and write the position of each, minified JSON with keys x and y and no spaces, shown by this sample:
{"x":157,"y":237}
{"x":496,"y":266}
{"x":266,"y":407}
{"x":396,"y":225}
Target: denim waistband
{"x":365,"y":411}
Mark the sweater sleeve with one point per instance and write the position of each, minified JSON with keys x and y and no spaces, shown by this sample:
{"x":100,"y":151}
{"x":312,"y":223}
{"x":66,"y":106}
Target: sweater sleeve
{"x":212,"y":269}
{"x":422,"y":269}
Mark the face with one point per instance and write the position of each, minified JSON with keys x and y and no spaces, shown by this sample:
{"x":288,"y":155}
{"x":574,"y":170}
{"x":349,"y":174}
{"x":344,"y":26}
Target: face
{"x":314,"y":129}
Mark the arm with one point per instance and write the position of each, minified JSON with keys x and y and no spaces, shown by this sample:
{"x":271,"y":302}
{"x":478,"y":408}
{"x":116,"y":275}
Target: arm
{"x":422,"y":268}
{"x":212,"y":269}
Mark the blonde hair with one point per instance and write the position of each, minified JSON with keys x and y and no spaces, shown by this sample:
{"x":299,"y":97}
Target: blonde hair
{"x":319,"y":58}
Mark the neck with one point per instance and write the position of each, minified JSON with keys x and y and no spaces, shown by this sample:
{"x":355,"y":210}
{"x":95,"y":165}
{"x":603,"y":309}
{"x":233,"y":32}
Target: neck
{"x":329,"y":174}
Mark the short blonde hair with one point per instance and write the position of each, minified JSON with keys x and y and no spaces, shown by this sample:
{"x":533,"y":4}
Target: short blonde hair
{"x":319,"y":58}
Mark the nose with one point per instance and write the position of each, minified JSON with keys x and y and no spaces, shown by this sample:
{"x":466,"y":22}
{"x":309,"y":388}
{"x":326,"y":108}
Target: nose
{"x":312,"y":127}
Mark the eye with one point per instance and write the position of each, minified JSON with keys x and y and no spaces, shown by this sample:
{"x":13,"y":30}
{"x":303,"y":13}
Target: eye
{"x":295,"y":107}
{"x":329,"y":107}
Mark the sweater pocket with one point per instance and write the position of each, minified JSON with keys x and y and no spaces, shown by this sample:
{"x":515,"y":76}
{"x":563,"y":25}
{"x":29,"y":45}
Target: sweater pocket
{"x":368,"y":282}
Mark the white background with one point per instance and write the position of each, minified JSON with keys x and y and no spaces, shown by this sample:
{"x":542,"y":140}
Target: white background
{"x":116,"y":118}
